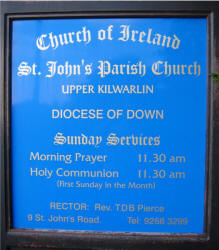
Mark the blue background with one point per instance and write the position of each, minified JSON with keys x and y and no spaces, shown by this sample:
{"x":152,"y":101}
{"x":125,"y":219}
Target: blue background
{"x":182,"y":131}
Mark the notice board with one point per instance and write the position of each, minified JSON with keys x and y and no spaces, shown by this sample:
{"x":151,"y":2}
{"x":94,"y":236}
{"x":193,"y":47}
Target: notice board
{"x":109,"y":126}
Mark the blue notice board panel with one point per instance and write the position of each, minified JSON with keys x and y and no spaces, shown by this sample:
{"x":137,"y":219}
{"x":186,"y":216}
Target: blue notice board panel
{"x":108,"y":124}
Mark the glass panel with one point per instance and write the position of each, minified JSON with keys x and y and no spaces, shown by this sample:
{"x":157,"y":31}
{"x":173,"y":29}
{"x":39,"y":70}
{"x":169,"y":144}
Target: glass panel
{"x":109,"y":124}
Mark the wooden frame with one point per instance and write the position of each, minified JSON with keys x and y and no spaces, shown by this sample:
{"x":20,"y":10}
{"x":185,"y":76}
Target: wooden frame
{"x":13,"y":238}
